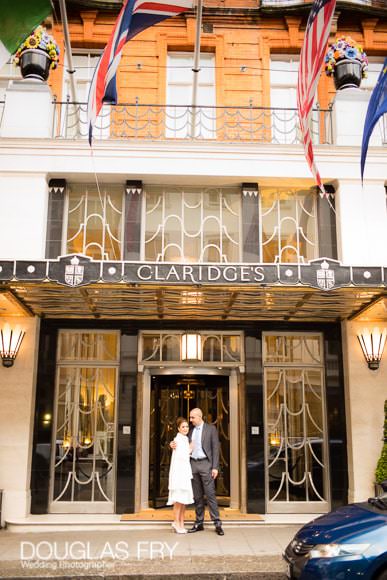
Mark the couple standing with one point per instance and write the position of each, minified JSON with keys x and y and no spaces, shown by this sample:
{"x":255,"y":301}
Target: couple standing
{"x":194,"y":468}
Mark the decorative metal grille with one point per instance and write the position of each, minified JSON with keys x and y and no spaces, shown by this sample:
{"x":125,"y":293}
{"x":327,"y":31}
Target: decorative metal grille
{"x":192,"y":225}
{"x":83,"y":465}
{"x":215,"y":348}
{"x":288,"y":225}
{"x":296,"y":444}
{"x":165,"y":122}
{"x":94,"y":221}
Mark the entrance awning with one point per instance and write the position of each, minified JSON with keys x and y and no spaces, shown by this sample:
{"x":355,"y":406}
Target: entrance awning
{"x":78,"y":287}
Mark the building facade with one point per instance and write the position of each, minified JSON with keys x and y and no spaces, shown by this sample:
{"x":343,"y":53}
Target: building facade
{"x":188,"y":260}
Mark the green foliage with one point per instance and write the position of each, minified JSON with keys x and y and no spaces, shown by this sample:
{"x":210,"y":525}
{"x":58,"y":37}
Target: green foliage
{"x":381,"y":467}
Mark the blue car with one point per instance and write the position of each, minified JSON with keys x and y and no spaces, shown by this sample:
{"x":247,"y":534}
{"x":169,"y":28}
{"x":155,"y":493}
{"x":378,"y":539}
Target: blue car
{"x":350,"y":542}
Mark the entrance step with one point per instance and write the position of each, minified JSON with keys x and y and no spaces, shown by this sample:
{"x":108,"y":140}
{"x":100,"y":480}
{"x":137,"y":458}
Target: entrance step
{"x":150,"y":519}
{"x":227,"y":515}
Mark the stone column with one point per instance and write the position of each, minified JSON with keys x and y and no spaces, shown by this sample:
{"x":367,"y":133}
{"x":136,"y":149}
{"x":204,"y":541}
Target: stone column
{"x":28,"y":110}
{"x":349,"y":112}
{"x":365,"y":392}
{"x":17,"y":405}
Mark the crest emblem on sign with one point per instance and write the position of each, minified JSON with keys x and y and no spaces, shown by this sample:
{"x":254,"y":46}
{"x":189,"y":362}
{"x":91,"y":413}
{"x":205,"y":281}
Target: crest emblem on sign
{"x":325,"y":277}
{"x":74,"y":272}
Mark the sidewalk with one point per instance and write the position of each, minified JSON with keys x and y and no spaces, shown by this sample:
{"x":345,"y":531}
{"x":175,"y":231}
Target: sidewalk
{"x":242,"y":553}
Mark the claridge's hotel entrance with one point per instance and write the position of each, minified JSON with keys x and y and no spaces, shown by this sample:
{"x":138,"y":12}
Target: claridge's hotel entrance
{"x":174,"y":396}
{"x":118,"y":395}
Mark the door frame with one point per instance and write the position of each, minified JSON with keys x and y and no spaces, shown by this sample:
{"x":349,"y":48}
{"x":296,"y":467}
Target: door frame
{"x":142,"y":461}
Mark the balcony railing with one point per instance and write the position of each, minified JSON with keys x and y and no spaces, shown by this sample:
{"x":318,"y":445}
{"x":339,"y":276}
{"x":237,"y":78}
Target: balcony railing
{"x":179,"y":122}
{"x":379,"y":4}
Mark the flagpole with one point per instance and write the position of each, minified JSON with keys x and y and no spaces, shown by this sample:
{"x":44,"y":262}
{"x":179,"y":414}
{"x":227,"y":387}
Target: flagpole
{"x":196,"y":67}
{"x":69,"y":57}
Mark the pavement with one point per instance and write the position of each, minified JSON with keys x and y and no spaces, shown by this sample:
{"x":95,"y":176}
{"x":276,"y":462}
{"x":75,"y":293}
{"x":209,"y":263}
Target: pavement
{"x":244,"y":552}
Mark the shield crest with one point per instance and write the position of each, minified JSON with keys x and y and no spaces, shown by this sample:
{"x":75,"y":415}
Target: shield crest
{"x":74,"y":273}
{"x":325,"y":277}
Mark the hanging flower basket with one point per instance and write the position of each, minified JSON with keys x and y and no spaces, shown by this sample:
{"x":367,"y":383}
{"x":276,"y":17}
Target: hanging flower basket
{"x":35,"y":64}
{"x":37,"y":55}
{"x":346,"y":62}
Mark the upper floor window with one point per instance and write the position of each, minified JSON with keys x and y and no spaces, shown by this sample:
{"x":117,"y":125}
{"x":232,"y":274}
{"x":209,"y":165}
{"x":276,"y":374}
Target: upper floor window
{"x":288,"y":224}
{"x":94,"y":221}
{"x":192,"y":225}
{"x":283,"y":100}
{"x":74,"y":116}
{"x":179,"y":114}
{"x":189,"y":224}
{"x":379,"y":134}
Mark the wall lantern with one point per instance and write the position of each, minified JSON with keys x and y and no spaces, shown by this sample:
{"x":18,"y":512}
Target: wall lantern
{"x":191,"y":347}
{"x":10,"y":341}
{"x":372,"y":344}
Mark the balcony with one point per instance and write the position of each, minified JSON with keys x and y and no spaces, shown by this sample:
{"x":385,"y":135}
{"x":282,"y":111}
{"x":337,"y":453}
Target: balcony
{"x":177,"y":123}
{"x":180,"y":122}
{"x":365,"y":4}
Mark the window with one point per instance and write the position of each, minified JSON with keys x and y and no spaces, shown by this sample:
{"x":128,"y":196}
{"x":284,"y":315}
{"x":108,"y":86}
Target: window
{"x":179,"y":96}
{"x":296,"y":434}
{"x":288,"y":224}
{"x":379,"y":134}
{"x":283,"y":99}
{"x":84,"y":64}
{"x":83,"y":466}
{"x":192,"y":225}
{"x":94,"y":221}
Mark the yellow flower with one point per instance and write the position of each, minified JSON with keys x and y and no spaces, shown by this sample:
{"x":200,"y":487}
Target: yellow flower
{"x":32,"y":42}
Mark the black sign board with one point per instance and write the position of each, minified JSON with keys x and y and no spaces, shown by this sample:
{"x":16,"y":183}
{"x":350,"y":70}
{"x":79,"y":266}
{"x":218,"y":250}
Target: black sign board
{"x":79,"y":270}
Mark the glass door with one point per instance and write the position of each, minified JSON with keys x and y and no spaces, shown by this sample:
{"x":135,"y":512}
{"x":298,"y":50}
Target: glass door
{"x":83,"y":457}
{"x":296,"y":451}
{"x":174,"y":396}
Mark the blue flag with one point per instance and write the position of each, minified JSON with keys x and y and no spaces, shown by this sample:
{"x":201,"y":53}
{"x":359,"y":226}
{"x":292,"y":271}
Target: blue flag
{"x":376,"y":108}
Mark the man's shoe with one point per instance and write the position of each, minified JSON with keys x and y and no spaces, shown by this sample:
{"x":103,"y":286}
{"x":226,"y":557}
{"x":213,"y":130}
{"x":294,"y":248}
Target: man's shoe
{"x":196,"y":528}
{"x":219,"y":530}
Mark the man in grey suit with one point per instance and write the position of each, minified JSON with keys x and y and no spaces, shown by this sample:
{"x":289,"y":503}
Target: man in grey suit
{"x":205,"y":469}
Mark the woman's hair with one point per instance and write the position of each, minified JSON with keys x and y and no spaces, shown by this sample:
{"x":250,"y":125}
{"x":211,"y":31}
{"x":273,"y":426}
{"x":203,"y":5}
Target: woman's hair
{"x":180,"y":420}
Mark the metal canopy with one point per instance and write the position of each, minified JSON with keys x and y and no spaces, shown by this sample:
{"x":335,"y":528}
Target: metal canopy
{"x":172,"y":303}
{"x":75,"y":286}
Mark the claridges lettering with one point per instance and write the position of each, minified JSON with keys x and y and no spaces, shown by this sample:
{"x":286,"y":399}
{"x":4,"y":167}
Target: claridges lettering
{"x":259,"y":274}
{"x":141,"y":272}
{"x":230,"y":277}
{"x":213,"y":273}
{"x":199,"y":274}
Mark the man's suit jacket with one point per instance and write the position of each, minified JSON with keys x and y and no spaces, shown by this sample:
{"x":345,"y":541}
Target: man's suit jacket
{"x":210,"y":444}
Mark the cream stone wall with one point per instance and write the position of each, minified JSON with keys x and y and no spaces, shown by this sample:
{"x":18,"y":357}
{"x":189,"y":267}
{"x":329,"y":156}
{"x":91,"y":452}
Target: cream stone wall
{"x":361,"y":222}
{"x":23,"y":215}
{"x":17,"y":402}
{"x":365,"y":392}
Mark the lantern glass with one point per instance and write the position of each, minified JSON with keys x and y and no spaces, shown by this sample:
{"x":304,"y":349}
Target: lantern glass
{"x":372,"y":343}
{"x":10,"y":341}
{"x":191,"y":347}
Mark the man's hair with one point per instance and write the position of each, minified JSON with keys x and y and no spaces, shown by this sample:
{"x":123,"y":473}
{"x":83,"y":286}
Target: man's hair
{"x":198,"y":411}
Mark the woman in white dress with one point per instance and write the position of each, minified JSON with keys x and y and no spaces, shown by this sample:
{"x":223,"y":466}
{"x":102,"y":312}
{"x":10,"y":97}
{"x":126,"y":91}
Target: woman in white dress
{"x":180,"y":476}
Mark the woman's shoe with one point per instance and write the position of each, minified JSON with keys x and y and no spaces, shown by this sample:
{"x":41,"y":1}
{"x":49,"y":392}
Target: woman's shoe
{"x":181,"y":531}
{"x":175,"y":528}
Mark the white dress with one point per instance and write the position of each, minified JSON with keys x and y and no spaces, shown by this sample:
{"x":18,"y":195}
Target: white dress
{"x":180,"y":473}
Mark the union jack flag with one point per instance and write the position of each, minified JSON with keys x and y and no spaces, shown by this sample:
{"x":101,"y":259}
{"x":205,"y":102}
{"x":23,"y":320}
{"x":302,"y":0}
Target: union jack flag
{"x":311,"y":59}
{"x":135,"y":16}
